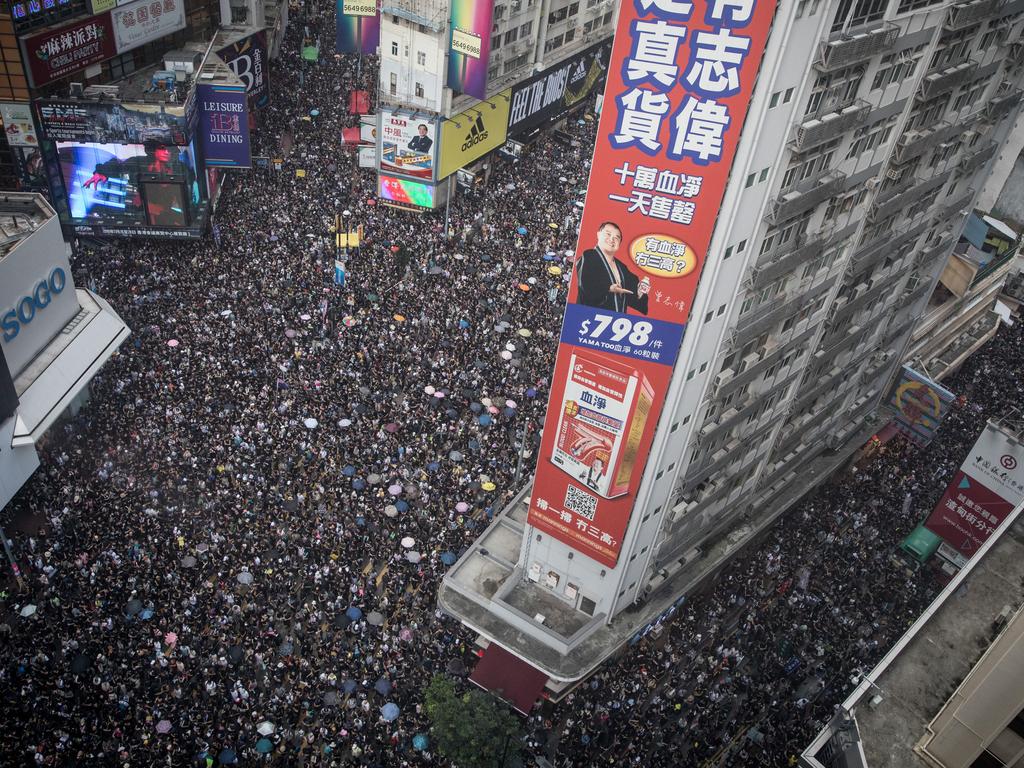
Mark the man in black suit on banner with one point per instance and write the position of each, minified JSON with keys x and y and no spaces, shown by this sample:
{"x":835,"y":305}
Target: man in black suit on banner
{"x":605,"y":281}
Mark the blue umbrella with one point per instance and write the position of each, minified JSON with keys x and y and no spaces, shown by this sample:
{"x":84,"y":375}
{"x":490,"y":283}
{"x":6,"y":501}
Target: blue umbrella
{"x":420,"y":741}
{"x":433,"y":466}
{"x":359,"y":483}
{"x":475,"y":407}
{"x":314,"y":112}
{"x":402,"y":505}
{"x":349,"y":685}
{"x":485,"y":420}
{"x":389,"y":711}
{"x":348,"y":471}
{"x":463,"y":323}
{"x":146,"y":614}
{"x":448,"y":558}
{"x":383,"y":687}
{"x":227,"y":757}
{"x":360,"y":520}
{"x":508,"y":411}
{"x":549,"y":257}
{"x":521,"y":230}
{"x":531,"y":392}
{"x":263,"y":746}
{"x":354,"y":613}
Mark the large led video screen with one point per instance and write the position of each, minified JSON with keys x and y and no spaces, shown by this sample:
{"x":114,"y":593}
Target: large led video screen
{"x":121,"y":183}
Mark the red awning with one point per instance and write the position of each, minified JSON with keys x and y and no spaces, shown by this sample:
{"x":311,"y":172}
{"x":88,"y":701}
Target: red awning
{"x":350,"y":135}
{"x":509,"y":677}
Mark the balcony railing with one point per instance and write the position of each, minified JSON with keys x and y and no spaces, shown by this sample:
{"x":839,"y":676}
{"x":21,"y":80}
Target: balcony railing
{"x":987,"y":270}
{"x":1002,"y":104}
{"x":815,"y":245}
{"x":829,"y":126}
{"x":848,"y":49}
{"x":956,"y":206}
{"x":806,"y":195}
{"x":978,"y":157}
{"x":964,"y":15}
{"x":915,"y":143}
{"x":914,"y":192}
{"x":947,"y":79}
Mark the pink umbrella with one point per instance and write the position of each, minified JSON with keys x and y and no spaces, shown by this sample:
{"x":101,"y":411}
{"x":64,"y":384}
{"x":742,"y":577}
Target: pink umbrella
{"x":405,"y":635}
{"x":510,"y":404}
{"x":492,"y":409}
{"x":392,"y":427}
{"x":164,"y":726}
{"x":171,"y":638}
{"x":395,"y":489}
{"x":172,"y":342}
{"x":461,"y":507}
{"x":439,"y":395}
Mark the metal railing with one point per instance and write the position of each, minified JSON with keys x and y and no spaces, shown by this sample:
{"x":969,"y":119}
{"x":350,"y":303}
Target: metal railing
{"x":847,"y":49}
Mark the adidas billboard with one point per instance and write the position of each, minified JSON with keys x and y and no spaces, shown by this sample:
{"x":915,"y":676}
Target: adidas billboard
{"x":473,"y":133}
{"x":554,"y":91}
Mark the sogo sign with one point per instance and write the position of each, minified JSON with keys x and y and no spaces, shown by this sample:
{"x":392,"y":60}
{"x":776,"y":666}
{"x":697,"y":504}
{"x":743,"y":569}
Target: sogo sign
{"x":24,"y":311}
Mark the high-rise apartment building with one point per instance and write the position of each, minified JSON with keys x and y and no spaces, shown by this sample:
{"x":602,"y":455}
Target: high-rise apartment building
{"x":527,"y":36}
{"x":871,"y":126}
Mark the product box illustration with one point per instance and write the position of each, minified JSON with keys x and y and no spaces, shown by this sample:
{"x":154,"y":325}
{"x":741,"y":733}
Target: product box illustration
{"x":602,"y":419}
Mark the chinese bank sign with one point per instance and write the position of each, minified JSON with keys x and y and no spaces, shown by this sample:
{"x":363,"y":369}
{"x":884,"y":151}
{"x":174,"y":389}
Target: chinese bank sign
{"x":986,"y":488}
{"x":678,"y":87}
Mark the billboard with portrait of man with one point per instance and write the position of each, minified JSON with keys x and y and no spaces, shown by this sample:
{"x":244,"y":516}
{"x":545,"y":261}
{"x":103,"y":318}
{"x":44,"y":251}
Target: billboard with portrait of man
{"x":406,"y":144}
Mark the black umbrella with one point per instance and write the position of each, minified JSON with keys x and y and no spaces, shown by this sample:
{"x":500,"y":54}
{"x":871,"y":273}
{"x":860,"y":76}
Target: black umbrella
{"x":330,"y":698}
{"x":235,"y":654}
{"x":133,"y":608}
{"x":456,"y":667}
{"x":80,"y":663}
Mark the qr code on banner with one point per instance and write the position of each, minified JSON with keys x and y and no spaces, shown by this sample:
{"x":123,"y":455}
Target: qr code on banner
{"x":580,"y":502}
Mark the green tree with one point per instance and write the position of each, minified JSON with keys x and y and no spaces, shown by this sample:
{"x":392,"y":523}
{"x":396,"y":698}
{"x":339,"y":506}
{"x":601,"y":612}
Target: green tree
{"x":471,"y":729}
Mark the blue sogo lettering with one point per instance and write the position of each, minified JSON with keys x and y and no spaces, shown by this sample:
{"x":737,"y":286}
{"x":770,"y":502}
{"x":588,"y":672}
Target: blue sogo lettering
{"x":24,"y":311}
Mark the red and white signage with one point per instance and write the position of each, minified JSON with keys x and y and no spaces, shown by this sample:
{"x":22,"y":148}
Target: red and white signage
{"x":988,"y":485}
{"x":143,"y":22}
{"x":678,"y":88}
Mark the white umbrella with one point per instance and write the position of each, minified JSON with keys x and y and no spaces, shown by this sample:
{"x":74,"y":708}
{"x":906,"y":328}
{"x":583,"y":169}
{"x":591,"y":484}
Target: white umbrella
{"x":311,"y":423}
{"x":265,"y":728}
{"x":30,"y":609}
{"x":345,"y":423}
{"x":391,"y":510}
{"x":486,"y":401}
{"x":506,"y":355}
{"x":408,"y":542}
{"x":413,"y":557}
{"x":244,"y":577}
{"x":429,"y":389}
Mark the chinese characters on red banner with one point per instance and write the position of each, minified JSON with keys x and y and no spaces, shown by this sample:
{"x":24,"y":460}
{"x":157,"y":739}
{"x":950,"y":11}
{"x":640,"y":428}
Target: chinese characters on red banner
{"x":680,"y":81}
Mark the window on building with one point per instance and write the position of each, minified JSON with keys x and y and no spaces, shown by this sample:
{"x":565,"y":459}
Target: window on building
{"x":854,"y":13}
{"x":526,"y":29}
{"x":556,"y":16}
{"x":811,"y":163}
{"x":898,"y":67}
{"x":394,"y":84}
{"x":495,"y":42}
{"x":574,"y":8}
{"x":953,"y":48}
{"x":774,"y":100}
{"x":421,"y":58}
{"x":834,"y":91}
{"x":511,"y":36}
{"x":570,"y":35}
{"x":122,"y":66}
{"x":419,"y":90}
{"x":587,"y":605}
{"x":787,"y":96}
{"x":914,"y":5}
{"x":394,"y":47}
{"x":553,"y":43}
{"x":607,"y":19}
{"x":869,"y":137}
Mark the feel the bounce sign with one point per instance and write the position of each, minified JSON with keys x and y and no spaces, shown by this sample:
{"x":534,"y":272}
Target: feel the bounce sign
{"x":678,"y":88}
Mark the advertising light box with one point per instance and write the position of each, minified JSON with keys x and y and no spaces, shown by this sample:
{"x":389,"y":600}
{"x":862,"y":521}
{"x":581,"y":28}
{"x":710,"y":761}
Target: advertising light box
{"x":407,"y":191}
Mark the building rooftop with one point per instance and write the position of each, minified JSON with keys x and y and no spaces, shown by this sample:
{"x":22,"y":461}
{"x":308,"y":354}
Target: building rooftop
{"x":21,"y":214}
{"x":893,"y":705}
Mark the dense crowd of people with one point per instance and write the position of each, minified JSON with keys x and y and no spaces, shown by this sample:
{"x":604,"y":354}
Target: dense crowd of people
{"x":245,"y":528}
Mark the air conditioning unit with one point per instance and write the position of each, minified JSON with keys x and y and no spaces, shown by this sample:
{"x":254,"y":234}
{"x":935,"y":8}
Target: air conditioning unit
{"x":751,"y":359}
{"x":724,"y":377}
{"x":894,"y":174}
{"x":872,"y":183}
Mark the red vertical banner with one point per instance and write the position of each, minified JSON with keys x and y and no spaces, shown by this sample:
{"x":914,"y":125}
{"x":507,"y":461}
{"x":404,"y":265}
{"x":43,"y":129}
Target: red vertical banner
{"x":988,"y":485}
{"x":679,"y":84}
